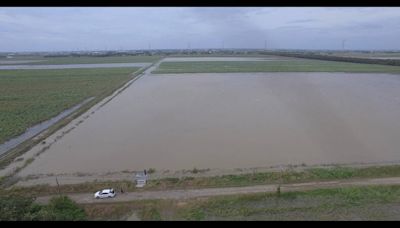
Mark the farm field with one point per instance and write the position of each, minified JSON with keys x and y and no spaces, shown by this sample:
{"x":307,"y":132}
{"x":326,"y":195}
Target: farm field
{"x":72,"y":66}
{"x":31,"y":96}
{"x":199,"y":114}
{"x":293,"y":65}
{"x":374,"y":55}
{"x":39,"y":60}
{"x":239,"y":58}
{"x":186,"y":121}
{"x":196,"y":131}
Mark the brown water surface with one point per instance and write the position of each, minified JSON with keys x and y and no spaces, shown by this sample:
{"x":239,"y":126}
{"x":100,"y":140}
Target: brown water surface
{"x":235,"y":120}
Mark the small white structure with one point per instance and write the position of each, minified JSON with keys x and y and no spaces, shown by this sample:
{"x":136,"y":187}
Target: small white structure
{"x":141,"y":179}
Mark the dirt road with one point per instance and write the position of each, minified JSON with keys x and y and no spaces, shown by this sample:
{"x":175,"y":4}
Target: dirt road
{"x":206,"y":192}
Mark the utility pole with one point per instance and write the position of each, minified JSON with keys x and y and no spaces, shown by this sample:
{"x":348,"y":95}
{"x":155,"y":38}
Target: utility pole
{"x":343,"y":43}
{"x":58,"y":187}
{"x":278,"y":190}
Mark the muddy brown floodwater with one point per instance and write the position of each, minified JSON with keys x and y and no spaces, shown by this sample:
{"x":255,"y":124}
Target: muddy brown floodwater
{"x":235,"y":120}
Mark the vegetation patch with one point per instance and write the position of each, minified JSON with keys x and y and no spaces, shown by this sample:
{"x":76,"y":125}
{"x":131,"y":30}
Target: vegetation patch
{"x":272,"y":66}
{"x":326,"y":204}
{"x":151,"y":170}
{"x":16,"y":208}
{"x":283,"y":177}
{"x":86,"y":60}
{"x":29,"y":97}
{"x":344,"y":57}
{"x":360,"y":203}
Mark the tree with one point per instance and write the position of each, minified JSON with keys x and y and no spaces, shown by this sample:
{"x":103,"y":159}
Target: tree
{"x":63,"y":208}
{"x":16,"y":208}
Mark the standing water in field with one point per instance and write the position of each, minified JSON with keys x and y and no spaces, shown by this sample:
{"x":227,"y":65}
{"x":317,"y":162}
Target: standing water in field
{"x":235,"y":120}
{"x":32,"y":131}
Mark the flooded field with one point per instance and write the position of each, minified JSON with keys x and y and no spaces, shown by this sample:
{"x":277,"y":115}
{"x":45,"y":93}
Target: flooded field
{"x":71,"y":66}
{"x":235,"y":120}
{"x":34,"y":130}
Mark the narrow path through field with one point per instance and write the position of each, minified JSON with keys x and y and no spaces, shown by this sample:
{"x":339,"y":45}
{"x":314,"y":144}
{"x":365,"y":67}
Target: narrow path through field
{"x":206,"y":192}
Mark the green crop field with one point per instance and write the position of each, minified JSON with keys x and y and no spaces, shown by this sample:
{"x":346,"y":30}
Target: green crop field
{"x":82,"y":60}
{"x":272,"y":66}
{"x":28,"y":97}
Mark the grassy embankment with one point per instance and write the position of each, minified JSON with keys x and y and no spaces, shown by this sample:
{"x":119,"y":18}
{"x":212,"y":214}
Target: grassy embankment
{"x":360,"y":203}
{"x":352,"y":203}
{"x":272,"y":66}
{"x":284,"y":177}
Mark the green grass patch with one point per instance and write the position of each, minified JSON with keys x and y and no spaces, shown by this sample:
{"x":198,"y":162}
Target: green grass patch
{"x":153,"y":210}
{"x":25,"y":209}
{"x":272,"y":66}
{"x":85,"y":60}
{"x":109,"y":211}
{"x":360,"y":203}
{"x":28,"y":161}
{"x":286,"y":176}
{"x":31,"y":96}
{"x":150,"y":212}
{"x":340,"y":203}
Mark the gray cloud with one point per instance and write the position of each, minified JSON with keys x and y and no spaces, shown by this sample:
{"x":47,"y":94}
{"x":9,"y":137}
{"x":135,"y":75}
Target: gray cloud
{"x":302,"y":21}
{"x":75,"y":28}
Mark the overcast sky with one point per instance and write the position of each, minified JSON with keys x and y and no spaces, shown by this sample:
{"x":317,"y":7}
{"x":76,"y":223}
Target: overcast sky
{"x":85,"y":28}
